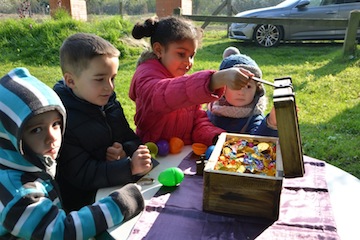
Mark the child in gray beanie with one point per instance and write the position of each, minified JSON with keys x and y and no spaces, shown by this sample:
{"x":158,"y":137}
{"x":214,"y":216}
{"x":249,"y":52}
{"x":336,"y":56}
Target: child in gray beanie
{"x":230,"y":51}
{"x":242,"y":111}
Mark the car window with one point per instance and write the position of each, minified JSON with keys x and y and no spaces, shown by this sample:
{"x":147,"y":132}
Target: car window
{"x":286,"y":3}
{"x":315,"y":3}
{"x":329,"y":2}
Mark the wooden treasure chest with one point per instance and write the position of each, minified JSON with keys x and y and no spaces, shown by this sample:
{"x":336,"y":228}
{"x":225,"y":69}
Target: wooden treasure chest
{"x":244,"y":173}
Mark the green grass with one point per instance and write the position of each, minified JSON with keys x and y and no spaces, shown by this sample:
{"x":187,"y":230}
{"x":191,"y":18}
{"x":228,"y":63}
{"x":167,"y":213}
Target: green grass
{"x":326,"y":85}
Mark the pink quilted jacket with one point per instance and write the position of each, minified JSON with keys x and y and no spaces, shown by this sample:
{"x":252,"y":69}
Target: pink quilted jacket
{"x":171,"y":107}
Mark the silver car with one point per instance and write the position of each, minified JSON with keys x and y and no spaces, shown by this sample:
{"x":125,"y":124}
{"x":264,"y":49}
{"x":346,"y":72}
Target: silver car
{"x":268,"y":35}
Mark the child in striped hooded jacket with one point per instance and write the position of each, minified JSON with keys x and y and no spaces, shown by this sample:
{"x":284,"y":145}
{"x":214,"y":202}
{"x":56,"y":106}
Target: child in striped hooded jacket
{"x":32,"y":120}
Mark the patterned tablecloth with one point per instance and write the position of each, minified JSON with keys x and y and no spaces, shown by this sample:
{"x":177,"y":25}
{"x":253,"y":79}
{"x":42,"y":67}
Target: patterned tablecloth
{"x":176,"y":212}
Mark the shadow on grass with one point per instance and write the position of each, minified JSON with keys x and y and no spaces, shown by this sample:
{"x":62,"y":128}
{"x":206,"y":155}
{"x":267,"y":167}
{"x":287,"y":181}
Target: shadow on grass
{"x":290,"y":53}
{"x":335,"y":141}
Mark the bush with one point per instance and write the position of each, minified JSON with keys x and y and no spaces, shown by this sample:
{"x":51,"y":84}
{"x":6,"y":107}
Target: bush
{"x":33,"y":42}
{"x":61,"y":14}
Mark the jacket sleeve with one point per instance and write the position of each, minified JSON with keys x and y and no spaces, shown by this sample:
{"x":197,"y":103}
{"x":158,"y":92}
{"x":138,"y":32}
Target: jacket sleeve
{"x":152,"y":84}
{"x":83,"y":162}
{"x":258,"y":126}
{"x":121,"y":130}
{"x":204,"y":131}
{"x":48,"y":221}
{"x":86,"y":170}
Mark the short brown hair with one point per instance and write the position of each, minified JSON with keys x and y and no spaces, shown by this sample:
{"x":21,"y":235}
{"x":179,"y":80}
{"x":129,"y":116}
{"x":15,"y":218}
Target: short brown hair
{"x":78,"y":49}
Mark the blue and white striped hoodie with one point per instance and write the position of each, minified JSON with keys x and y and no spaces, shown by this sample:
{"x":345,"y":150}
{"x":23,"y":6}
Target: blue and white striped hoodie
{"x":30,"y":205}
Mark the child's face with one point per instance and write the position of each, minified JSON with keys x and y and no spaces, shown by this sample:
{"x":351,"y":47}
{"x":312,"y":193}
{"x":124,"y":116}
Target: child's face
{"x":242,"y":97}
{"x":42,"y":133}
{"x":96,"y":83}
{"x":178,"y":57}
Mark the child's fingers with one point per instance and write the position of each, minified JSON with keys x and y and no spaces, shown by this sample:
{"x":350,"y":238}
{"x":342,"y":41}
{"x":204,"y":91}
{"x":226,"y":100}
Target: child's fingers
{"x":246,"y":72}
{"x":110,"y":151}
{"x":115,"y":153}
{"x":147,"y":162}
{"x":110,"y":156}
{"x":240,"y":78}
{"x":117,"y":146}
{"x":142,"y":147}
{"x":145,"y":155}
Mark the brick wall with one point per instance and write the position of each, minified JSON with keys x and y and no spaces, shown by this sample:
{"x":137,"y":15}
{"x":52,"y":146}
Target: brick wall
{"x":76,"y":8}
{"x":166,"y":7}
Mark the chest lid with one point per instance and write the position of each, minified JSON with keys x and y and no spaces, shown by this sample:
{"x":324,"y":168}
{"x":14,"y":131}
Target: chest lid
{"x":288,"y":128}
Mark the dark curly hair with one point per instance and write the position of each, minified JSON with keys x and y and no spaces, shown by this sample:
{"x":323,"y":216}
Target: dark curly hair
{"x":167,"y":30}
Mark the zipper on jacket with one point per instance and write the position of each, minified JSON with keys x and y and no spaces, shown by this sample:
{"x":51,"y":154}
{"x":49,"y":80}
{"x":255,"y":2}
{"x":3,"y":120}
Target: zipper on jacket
{"x":103,"y":112}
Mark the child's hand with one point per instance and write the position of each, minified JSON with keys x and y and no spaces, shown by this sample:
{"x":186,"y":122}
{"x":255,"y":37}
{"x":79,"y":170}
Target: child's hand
{"x":271,"y":120}
{"x":234,"y":78}
{"x":115,"y":152}
{"x":141,"y":161}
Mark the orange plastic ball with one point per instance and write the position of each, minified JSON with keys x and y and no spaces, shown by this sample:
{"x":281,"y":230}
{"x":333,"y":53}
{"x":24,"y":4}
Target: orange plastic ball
{"x":199,"y":148}
{"x":176,"y":145}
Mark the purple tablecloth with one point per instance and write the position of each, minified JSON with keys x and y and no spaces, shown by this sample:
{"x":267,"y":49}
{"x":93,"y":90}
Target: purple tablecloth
{"x":176,"y":212}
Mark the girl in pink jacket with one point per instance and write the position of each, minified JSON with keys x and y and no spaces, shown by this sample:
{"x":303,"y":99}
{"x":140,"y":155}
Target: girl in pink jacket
{"x":168,"y":100}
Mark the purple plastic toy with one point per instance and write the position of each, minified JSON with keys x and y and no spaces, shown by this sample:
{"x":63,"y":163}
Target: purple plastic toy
{"x":163,"y":147}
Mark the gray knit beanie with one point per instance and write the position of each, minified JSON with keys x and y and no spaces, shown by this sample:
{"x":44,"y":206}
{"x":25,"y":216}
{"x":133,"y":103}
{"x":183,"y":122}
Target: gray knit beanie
{"x":246,"y":62}
{"x":234,"y":59}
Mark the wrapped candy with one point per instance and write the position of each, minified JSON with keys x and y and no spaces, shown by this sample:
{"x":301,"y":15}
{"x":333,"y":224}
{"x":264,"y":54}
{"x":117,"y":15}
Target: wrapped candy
{"x":248,"y":156}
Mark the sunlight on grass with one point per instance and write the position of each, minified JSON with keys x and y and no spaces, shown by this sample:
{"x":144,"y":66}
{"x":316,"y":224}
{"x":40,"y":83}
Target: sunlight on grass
{"x":326,"y":85}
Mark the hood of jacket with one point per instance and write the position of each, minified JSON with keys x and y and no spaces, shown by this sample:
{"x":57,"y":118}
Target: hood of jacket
{"x":22,"y":97}
{"x":146,"y":55}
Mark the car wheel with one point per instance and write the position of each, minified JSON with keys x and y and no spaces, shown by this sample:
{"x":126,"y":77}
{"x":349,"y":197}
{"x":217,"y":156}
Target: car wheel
{"x":267,"y":35}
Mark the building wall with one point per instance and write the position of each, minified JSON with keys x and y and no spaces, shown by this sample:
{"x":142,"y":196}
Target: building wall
{"x":76,"y":8}
{"x":166,"y":7}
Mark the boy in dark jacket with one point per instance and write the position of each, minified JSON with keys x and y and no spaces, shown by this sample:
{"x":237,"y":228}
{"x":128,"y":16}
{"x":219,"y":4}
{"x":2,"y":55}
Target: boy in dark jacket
{"x":100,"y":149}
{"x":32,"y":123}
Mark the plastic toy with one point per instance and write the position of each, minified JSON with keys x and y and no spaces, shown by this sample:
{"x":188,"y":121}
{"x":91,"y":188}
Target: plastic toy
{"x":153,"y":148}
{"x":171,"y":177}
{"x":176,"y":145}
{"x":199,"y":148}
{"x":163,"y":147}
{"x":209,"y":151}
